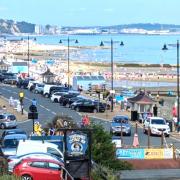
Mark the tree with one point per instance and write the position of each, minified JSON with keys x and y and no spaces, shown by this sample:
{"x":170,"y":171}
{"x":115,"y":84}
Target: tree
{"x":103,"y":150}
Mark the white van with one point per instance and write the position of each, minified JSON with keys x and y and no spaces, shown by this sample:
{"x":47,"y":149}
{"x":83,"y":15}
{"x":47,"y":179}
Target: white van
{"x":30,"y":146}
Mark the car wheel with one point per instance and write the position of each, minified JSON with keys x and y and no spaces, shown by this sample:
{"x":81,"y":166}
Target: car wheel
{"x":36,"y":92}
{"x":77,"y":109}
{"x":167,"y":135}
{"x":56,"y":100}
{"x":129,"y":134}
{"x":67,"y":105}
{"x":46,"y":95}
{"x":2,"y":126}
{"x":26,"y":177}
{"x":95,"y":111}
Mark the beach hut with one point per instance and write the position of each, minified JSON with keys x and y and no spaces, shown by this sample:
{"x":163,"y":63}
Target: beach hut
{"x":3,"y":66}
{"x":85,"y":81}
{"x":141,"y":106}
{"x":19,"y":67}
{"x":48,"y":76}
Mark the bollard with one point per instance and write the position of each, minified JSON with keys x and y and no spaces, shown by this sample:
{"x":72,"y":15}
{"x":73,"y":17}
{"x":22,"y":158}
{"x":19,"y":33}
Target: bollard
{"x":121,"y":134}
{"x":148,"y":137}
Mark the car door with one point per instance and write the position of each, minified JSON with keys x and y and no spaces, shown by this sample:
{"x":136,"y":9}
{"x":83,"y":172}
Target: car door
{"x":53,"y":171}
{"x":39,"y":170}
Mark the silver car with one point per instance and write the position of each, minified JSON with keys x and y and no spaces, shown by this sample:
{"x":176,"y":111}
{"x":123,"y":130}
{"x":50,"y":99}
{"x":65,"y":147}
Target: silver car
{"x":8,"y":121}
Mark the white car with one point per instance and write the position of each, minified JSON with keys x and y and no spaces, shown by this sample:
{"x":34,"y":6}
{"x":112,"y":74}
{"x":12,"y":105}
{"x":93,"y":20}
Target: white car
{"x":157,"y":125}
{"x":56,"y":96}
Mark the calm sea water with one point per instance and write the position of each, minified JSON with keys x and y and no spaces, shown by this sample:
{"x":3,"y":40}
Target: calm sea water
{"x":136,"y":49}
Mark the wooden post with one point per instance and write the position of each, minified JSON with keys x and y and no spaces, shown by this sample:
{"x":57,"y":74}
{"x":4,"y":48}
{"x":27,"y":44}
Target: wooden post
{"x":121,"y":134}
{"x":162,"y":139}
{"x":136,"y":128}
{"x":148,"y":137}
{"x":174,"y":151}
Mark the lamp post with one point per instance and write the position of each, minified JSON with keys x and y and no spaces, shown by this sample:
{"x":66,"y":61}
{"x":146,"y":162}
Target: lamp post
{"x":68,"y":43}
{"x":177,"y":48}
{"x":28,"y":55}
{"x":112,"y":68}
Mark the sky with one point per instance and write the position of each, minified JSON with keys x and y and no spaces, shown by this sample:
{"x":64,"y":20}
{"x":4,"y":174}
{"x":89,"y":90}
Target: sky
{"x":91,"y":12}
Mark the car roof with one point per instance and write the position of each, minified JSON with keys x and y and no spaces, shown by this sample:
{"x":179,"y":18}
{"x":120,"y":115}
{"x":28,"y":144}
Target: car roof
{"x":43,"y":160}
{"x":14,"y":130}
{"x":15,"y":136}
{"x":7,"y":114}
{"x":121,"y":116}
{"x":152,"y":118}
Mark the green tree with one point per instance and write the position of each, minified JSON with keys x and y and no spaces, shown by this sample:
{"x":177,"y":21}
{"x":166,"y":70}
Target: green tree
{"x":103,"y":150}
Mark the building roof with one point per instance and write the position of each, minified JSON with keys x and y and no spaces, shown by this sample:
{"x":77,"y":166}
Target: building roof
{"x":2,"y":63}
{"x":89,"y":78}
{"x":19,"y":63}
{"x":141,"y":98}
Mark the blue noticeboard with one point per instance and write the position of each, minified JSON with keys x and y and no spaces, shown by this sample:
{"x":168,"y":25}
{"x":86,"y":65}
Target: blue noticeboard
{"x":130,"y":153}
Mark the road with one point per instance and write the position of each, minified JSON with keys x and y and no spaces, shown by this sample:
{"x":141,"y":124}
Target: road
{"x":47,"y":110}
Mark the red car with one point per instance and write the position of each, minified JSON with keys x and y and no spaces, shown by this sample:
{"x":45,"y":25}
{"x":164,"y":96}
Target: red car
{"x":41,"y":169}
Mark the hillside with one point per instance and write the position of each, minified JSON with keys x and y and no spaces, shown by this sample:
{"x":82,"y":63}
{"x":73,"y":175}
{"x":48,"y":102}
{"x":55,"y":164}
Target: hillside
{"x":12,"y":27}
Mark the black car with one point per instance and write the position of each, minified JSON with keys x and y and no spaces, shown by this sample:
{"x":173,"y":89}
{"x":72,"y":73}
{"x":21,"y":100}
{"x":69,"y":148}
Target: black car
{"x":77,"y":98}
{"x":64,"y":99}
{"x":87,"y":105}
{"x":23,"y":83}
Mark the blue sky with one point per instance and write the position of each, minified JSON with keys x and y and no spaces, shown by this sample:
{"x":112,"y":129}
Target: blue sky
{"x":91,"y":12}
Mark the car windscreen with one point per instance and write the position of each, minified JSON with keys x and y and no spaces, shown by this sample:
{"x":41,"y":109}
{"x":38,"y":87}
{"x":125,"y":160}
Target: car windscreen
{"x":121,"y":120}
{"x":157,"y":121}
{"x":12,"y":117}
{"x":10,"y":143}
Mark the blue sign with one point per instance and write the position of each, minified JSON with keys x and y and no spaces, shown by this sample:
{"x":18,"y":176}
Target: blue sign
{"x":130,"y":153}
{"x":34,"y":61}
{"x":77,"y":143}
{"x":50,"y":62}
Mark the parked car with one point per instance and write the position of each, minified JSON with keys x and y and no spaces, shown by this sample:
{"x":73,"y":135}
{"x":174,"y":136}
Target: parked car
{"x":23,"y":83}
{"x":10,"y":143}
{"x":120,"y":123}
{"x":7,"y":121}
{"x":74,"y":99}
{"x":156,"y":125}
{"x":39,"y":88}
{"x":31,"y":146}
{"x":87,"y":105}
{"x":10,"y":80}
{"x":41,"y":169}
{"x":13,"y":160}
{"x":12,"y":131}
{"x":65,"y":99}
{"x":56,"y":96}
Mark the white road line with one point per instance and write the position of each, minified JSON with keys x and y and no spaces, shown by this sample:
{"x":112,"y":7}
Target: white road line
{"x":53,"y":112}
{"x":14,"y":92}
{"x":24,"y":121}
{"x":175,"y":138}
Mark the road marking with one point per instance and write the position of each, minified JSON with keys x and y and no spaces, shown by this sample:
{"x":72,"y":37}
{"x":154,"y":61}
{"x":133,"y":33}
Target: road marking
{"x":53,"y":112}
{"x":24,"y":121}
{"x":175,"y":138}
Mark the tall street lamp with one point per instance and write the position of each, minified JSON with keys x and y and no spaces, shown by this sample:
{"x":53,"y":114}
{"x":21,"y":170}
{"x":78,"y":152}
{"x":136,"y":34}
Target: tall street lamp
{"x":177,"y":47}
{"x":112,"y":70}
{"x":28,"y":52}
{"x":68,"y":41}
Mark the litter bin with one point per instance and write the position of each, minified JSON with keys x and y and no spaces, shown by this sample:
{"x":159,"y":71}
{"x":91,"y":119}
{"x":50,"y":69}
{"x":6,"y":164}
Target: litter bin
{"x":170,"y":125}
{"x":134,"y":116}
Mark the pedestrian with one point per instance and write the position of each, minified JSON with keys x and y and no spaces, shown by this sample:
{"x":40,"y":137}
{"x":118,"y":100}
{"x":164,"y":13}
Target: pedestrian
{"x":155,"y":110}
{"x":51,"y":131}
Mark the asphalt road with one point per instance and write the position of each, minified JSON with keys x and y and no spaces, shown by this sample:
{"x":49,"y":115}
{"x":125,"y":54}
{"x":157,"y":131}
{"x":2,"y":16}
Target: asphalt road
{"x":47,"y":110}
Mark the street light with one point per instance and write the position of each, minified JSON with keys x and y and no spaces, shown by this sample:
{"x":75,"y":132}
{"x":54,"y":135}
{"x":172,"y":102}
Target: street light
{"x":28,"y":51}
{"x":112,"y":70}
{"x":177,"y":47}
{"x":68,"y":41}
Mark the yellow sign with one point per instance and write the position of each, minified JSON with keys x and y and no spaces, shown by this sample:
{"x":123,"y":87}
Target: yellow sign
{"x":154,"y":154}
{"x":21,"y":94}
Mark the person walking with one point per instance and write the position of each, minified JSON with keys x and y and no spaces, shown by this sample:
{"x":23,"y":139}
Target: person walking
{"x":155,"y":110}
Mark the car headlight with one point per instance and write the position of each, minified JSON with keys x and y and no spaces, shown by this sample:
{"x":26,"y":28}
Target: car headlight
{"x":153,"y":128}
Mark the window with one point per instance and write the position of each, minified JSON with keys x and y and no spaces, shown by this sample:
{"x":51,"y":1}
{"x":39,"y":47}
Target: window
{"x":54,"y":166}
{"x":54,"y":152}
{"x":38,"y":164}
{"x":12,"y":117}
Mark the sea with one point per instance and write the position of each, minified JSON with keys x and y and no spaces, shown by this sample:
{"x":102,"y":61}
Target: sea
{"x":141,"y":49}
{"x":138,"y":49}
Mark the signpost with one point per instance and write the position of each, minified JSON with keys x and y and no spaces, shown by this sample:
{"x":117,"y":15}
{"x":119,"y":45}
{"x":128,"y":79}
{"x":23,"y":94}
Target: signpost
{"x":21,"y":98}
{"x":33,"y":114}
